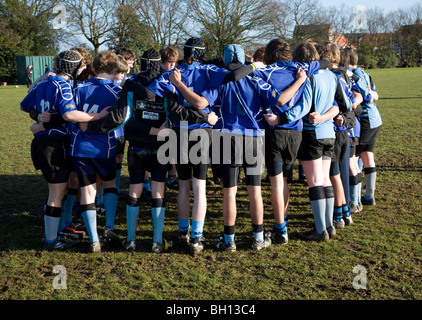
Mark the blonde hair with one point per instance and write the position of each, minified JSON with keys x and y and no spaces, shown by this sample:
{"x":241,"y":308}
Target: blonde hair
{"x":105,"y":62}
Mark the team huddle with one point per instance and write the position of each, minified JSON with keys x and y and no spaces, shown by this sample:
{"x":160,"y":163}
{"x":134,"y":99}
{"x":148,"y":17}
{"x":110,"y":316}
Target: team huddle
{"x":181,"y":117}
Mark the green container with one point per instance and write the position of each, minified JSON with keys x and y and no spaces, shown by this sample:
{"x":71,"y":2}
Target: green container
{"x":38,"y":63}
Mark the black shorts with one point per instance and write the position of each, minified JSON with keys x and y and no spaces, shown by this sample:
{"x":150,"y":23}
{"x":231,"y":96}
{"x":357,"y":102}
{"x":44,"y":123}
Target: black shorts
{"x":367,"y":137}
{"x":120,"y":145}
{"x":141,"y":160}
{"x":192,"y":156}
{"x":88,"y":168}
{"x":312,"y":148}
{"x":281,"y":148}
{"x":340,"y":146}
{"x":49,"y":154}
{"x":245,"y":152}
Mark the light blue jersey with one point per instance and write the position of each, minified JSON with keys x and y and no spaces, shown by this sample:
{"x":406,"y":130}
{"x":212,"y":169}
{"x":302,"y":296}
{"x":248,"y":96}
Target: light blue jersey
{"x":92,"y":96}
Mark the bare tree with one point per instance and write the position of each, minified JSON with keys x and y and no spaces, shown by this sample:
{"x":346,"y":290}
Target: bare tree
{"x":93,"y":19}
{"x":166,"y":18}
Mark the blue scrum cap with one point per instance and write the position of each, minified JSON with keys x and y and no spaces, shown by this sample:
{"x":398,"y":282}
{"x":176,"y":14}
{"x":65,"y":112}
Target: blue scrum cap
{"x":231,"y":51}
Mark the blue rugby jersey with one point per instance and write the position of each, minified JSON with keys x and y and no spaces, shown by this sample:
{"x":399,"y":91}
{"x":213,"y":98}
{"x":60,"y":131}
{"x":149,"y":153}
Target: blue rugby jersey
{"x":241,"y":103}
{"x":196,"y":77}
{"x":349,"y":98}
{"x":54,"y":95}
{"x":369,"y":110}
{"x":281,"y":75}
{"x":323,"y":92}
{"x":92,"y":96}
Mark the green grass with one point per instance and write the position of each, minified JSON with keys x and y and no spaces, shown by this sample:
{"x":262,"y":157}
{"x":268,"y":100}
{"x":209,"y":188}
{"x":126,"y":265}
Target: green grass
{"x":385,"y":239}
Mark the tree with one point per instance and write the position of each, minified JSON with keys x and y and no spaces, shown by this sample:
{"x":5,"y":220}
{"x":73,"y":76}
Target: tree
{"x":222,"y":22}
{"x":167,"y":19}
{"x":93,"y":19}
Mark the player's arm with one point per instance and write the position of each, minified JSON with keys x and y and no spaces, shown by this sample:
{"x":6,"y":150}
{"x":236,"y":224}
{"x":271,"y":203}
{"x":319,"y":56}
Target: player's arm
{"x":191,"y":97}
{"x":242,"y":72}
{"x":80,"y":116}
{"x":177,"y":112}
{"x":315,"y":117}
{"x":288,"y":94}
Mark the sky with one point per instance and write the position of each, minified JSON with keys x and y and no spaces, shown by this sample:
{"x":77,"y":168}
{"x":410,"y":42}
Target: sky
{"x":386,"y":4}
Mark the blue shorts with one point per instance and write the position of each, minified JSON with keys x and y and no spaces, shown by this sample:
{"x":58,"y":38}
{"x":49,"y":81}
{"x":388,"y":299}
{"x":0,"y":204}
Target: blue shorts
{"x":87,"y":169}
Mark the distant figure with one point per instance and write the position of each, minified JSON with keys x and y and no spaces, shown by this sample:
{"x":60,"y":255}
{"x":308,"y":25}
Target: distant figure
{"x":29,"y":75}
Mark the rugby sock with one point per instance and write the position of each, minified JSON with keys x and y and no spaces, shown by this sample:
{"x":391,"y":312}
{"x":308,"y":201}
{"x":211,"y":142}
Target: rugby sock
{"x":318,"y":205}
{"x":71,"y":196}
{"x":338,"y":213}
{"x":100,"y":196}
{"x":62,"y":223}
{"x":370,"y":179}
{"x":329,"y":203}
{"x":346,"y":210}
{"x":51,"y":222}
{"x":183,"y":225}
{"x":197,"y":229}
{"x":110,"y":205}
{"x":147,"y":185}
{"x":258,"y":232}
{"x":228,"y":234}
{"x":89,"y":214}
{"x":286,"y":218}
{"x":280,"y":228}
{"x":359,"y":187}
{"x":158,"y":214}
{"x":354,"y":189}
{"x":132,"y":213}
{"x":118,"y":173}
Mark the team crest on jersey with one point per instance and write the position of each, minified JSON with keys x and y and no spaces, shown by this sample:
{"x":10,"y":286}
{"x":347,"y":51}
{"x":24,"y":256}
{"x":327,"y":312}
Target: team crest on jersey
{"x":69,"y":106}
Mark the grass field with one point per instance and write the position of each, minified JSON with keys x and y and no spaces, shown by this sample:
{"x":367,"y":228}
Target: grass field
{"x":385,"y":240}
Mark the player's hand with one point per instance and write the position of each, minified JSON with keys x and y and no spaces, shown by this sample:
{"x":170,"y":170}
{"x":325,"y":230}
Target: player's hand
{"x":259,"y":64}
{"x":36,"y":127}
{"x":301,"y":75}
{"x":176,"y":77}
{"x":104,"y":112}
{"x":314,"y":118}
{"x":44,"y":117}
{"x":271,"y":118}
{"x":212,"y":118}
{"x":339,"y":120}
{"x":83,"y":125}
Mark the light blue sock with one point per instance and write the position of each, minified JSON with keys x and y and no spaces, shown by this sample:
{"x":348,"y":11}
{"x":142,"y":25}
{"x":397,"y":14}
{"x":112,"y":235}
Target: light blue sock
{"x":259,"y":236}
{"x":354,"y":189}
{"x":338,"y":213}
{"x":318,"y":211}
{"x":183,"y":225}
{"x":110,"y":206}
{"x":51,"y":228}
{"x":228,"y":238}
{"x":280,"y":228}
{"x":158,"y":215}
{"x":90,"y":220}
{"x":132,"y":214}
{"x":197,"y":229}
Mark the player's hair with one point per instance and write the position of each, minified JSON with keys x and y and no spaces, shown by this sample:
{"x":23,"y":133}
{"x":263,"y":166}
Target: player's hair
{"x":305,"y":52}
{"x":353,"y":56}
{"x":344,"y":58}
{"x":277,"y":50}
{"x":259,"y":54}
{"x":122,"y":66}
{"x":105,"y":62}
{"x":324,"y":51}
{"x":169,"y":53}
{"x":85,"y":54}
{"x":126,"y":53}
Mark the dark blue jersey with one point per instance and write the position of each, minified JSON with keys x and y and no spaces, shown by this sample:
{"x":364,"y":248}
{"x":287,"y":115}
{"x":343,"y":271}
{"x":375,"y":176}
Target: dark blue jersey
{"x":281,"y":75}
{"x":54,"y":95}
{"x":92,"y":96}
{"x":197,"y":77}
{"x":241,"y":103}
